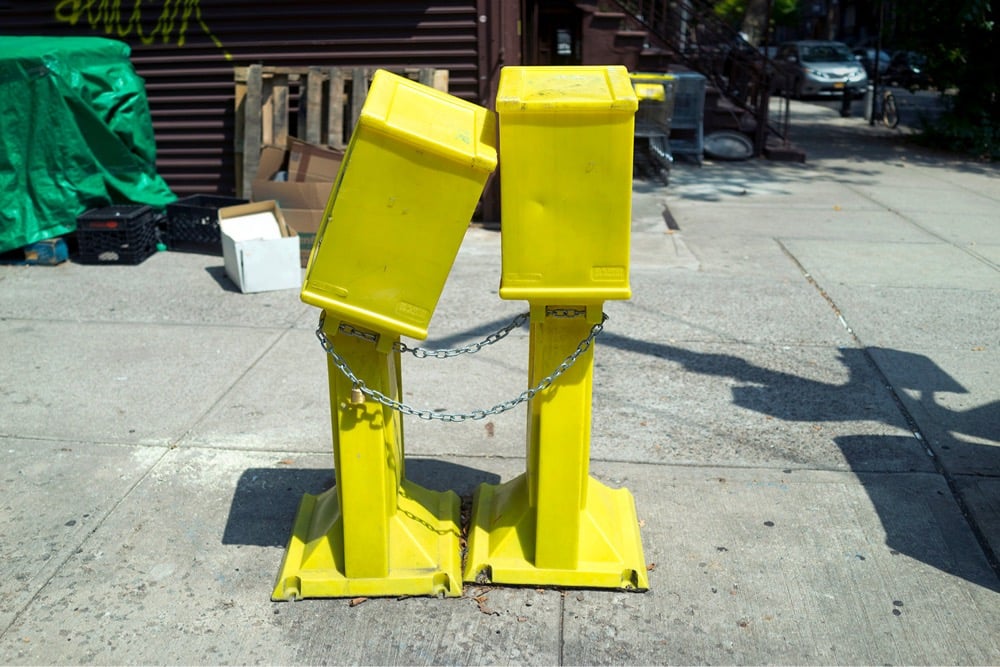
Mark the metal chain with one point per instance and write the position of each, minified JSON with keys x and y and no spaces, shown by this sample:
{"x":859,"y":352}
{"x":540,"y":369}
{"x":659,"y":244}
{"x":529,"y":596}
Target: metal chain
{"x":361,"y":388}
{"x":423,"y":353}
{"x":447,"y":353}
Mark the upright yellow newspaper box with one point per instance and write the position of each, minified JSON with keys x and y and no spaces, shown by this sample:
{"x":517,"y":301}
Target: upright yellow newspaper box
{"x":566,"y":137}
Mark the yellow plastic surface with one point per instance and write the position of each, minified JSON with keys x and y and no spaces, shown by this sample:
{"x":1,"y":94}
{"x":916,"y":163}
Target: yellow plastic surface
{"x":375,"y":533}
{"x":414,"y":170}
{"x":650,"y":77}
{"x":650,"y":91}
{"x":656,"y":106}
{"x":555,"y":525}
{"x":566,"y":137}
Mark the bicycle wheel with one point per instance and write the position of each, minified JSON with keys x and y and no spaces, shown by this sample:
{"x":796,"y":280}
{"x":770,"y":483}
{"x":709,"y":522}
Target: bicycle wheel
{"x":890,"y":114}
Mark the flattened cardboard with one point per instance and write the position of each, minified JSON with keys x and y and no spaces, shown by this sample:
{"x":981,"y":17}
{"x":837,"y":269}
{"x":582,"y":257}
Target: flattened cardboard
{"x":308,"y":163}
{"x":293,"y":195}
{"x":312,"y":171}
{"x":305,"y":222}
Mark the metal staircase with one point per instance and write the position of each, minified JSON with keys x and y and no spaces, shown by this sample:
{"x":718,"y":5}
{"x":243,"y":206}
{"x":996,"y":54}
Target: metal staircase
{"x":699,"y":40}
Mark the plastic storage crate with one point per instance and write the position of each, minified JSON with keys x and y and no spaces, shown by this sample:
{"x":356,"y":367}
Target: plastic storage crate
{"x":687,"y":127}
{"x":566,"y":141}
{"x":116,"y":235}
{"x":655,"y":93}
{"x":195,"y":219}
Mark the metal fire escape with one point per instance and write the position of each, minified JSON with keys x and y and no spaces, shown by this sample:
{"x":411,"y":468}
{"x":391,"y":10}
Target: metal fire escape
{"x":699,"y":40}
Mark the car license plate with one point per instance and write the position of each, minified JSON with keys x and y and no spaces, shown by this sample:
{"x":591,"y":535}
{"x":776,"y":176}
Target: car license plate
{"x":838,"y":85}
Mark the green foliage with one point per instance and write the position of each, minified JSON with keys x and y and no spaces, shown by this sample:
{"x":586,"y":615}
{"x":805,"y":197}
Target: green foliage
{"x":961,"y":45}
{"x":978,"y":137}
{"x":731,"y":11}
{"x":783,"y":12}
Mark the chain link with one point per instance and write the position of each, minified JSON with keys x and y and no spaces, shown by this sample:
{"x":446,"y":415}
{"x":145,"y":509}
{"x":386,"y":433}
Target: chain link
{"x":447,"y":353}
{"x":527,"y":395}
{"x":351,"y":331}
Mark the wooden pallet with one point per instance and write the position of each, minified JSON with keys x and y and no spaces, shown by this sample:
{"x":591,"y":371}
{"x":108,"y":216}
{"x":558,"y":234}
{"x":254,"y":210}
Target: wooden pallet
{"x":328,"y":101}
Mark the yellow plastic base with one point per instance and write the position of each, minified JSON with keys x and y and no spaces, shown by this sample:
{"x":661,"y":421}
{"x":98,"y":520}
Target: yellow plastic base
{"x":424,"y":558}
{"x":375,"y":533}
{"x":555,"y":525}
{"x":502,"y":543}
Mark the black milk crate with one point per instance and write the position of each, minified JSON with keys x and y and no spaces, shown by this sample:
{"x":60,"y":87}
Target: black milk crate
{"x":195,"y":219}
{"x":116,"y":235}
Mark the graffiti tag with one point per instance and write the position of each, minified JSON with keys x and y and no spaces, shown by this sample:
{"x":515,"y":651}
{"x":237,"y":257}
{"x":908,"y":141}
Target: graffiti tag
{"x":109,"y":16}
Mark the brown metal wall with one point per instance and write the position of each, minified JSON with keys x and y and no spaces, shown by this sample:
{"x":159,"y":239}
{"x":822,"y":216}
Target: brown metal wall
{"x":186,"y":50}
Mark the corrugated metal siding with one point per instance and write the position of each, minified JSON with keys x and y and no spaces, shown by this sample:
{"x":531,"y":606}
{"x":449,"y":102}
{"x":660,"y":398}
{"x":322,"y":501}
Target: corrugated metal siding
{"x":186,"y":50}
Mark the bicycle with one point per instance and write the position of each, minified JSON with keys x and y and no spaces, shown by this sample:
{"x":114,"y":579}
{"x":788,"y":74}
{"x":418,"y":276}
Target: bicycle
{"x":885,"y":109}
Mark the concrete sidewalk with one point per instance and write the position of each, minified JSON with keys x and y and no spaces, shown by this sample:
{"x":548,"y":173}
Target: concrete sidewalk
{"x":802,"y":395}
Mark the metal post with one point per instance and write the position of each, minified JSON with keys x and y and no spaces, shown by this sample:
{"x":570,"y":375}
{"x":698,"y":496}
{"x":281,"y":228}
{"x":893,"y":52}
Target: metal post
{"x":876,"y":77}
{"x":566,"y":135}
{"x":375,"y":532}
{"x":555,"y":524}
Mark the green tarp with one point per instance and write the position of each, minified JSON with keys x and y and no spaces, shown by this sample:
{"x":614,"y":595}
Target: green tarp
{"x":75,"y":134}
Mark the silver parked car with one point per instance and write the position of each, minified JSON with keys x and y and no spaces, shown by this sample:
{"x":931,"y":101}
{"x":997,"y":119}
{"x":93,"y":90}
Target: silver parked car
{"x":815,"y":68}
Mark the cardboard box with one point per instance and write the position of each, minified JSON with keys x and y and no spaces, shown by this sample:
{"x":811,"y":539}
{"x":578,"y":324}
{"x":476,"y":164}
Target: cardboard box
{"x":260,"y":251}
{"x":306,"y":223}
{"x":312,"y":171}
{"x":309,"y":163}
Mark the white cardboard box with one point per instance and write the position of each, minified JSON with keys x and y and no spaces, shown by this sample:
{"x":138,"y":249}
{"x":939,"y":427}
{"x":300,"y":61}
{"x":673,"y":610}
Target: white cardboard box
{"x":260,"y":251}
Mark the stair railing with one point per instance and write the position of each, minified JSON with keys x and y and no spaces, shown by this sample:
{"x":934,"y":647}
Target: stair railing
{"x":705,"y":43}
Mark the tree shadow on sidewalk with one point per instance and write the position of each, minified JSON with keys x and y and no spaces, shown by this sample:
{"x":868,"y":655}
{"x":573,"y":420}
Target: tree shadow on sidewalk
{"x":921,"y":512}
{"x":959,"y":548}
{"x":849,"y":151}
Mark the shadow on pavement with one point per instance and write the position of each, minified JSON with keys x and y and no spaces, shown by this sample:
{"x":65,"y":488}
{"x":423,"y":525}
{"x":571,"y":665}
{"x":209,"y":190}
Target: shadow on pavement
{"x":830,"y":137}
{"x":266,"y":500}
{"x":218,"y":274}
{"x":848,"y":147}
{"x":924,"y":535}
{"x":480,"y":331}
{"x":924,"y":379}
{"x":792,"y":398}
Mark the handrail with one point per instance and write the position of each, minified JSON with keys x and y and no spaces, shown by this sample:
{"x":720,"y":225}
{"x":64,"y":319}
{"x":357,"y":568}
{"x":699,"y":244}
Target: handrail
{"x":706,"y":44}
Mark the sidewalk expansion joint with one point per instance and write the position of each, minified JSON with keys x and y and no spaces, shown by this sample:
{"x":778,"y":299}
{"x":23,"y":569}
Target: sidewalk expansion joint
{"x":991,"y":556}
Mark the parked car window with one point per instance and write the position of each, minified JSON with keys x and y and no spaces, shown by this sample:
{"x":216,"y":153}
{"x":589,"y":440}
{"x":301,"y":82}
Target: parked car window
{"x":826,"y":53}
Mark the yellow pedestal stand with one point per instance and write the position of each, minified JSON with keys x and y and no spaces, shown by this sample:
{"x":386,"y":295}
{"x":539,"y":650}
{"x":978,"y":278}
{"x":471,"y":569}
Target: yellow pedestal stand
{"x":566,"y":136}
{"x":555,"y":525}
{"x":375,"y":532}
{"x":414,"y":170}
